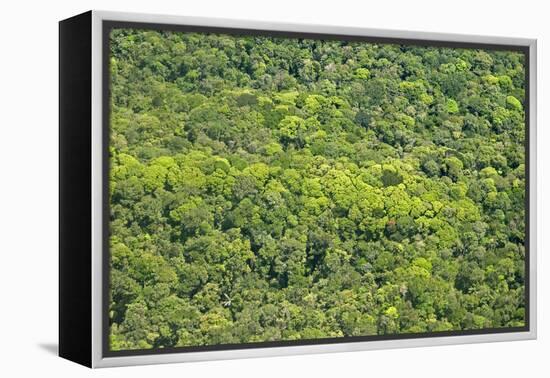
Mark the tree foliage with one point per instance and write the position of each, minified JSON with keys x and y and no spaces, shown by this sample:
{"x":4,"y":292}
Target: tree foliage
{"x":281,"y":189}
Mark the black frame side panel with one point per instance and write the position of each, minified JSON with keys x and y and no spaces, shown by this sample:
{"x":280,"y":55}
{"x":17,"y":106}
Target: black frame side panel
{"x":75,"y":217}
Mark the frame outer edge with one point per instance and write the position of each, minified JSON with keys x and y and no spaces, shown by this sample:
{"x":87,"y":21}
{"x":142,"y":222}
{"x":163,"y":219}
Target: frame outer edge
{"x":310,"y":28}
{"x":534,"y":214}
{"x":97,"y":184}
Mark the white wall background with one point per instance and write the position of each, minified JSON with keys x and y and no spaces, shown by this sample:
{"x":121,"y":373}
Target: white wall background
{"x":28,"y":186}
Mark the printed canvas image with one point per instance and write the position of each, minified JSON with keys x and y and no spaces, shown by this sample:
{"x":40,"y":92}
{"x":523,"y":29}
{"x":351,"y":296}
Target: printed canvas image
{"x":275,"y":189}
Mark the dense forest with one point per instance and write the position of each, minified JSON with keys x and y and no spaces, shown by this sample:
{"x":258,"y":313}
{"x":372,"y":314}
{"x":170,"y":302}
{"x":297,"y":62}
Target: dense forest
{"x":267,"y":189}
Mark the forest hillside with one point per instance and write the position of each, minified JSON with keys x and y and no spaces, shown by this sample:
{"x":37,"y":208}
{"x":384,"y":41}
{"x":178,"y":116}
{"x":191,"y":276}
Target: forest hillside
{"x":267,"y":189}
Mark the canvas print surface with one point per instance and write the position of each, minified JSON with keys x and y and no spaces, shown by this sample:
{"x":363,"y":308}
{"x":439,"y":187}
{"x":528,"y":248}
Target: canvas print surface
{"x":276,"y":189}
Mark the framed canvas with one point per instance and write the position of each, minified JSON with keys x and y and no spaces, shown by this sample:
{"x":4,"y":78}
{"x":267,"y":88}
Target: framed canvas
{"x":235,"y":189}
